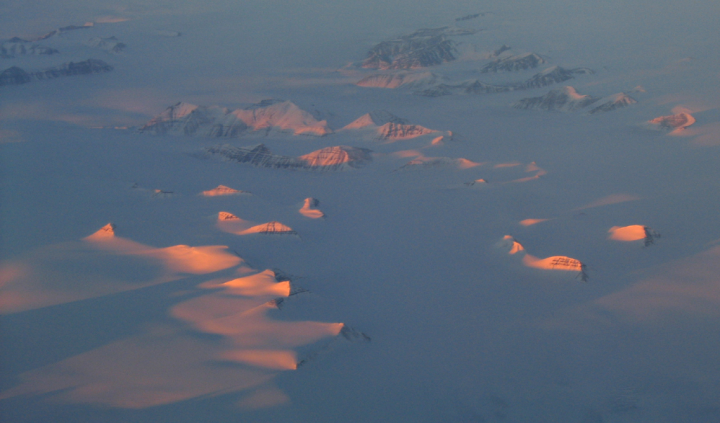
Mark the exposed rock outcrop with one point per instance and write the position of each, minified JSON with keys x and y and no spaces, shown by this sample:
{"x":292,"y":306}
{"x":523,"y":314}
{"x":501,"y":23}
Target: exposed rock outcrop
{"x":326,"y":159}
{"x":19,"y":47}
{"x":612,"y":102}
{"x":189,"y":119}
{"x":425,"y":47}
{"x":677,"y":122}
{"x":16,"y":75}
{"x":561,"y":99}
{"x":387,"y":126}
{"x":513,"y":63}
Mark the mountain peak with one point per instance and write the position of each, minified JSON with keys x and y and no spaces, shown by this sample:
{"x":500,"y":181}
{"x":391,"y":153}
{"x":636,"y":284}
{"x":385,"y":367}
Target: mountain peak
{"x":221,"y":190}
{"x":262,"y":117}
{"x":513,"y":63}
{"x":106,"y":232}
{"x":223,"y":216}
{"x":612,"y":102}
{"x":562,"y":99}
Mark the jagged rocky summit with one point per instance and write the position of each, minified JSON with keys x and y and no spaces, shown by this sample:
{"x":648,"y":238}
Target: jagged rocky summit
{"x":110,"y":44}
{"x":562,"y":99}
{"x":387,"y":126}
{"x":549,"y":76}
{"x":422,"y":48}
{"x":612,"y":102}
{"x":567,"y":99}
{"x":512,"y":63}
{"x":16,"y":75}
{"x":19,"y":47}
{"x":434,"y":85}
{"x":189,"y":119}
{"x":327,"y":159}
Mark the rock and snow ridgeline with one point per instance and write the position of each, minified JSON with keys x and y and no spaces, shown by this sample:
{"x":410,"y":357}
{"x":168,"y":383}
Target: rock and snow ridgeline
{"x":434,"y":85}
{"x":564,"y":263}
{"x":109,"y":44}
{"x":422,"y":48}
{"x":411,"y":80}
{"x":327,"y":159}
{"x":673,"y":123}
{"x":19,"y":47}
{"x":283,"y":116}
{"x":17,"y":76}
{"x":567,"y":99}
{"x":388,"y":127}
{"x":309,"y":209}
{"x":222,"y":190}
{"x":189,"y":119}
{"x":513,"y":63}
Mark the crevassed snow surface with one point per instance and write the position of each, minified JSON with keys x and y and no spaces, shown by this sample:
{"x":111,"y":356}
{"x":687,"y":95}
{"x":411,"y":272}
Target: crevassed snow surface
{"x":401,"y":304}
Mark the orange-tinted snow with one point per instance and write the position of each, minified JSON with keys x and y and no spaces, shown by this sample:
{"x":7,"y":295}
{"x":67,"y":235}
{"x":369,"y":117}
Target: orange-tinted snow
{"x":609,"y":200}
{"x":553,"y":263}
{"x":530,"y":222}
{"x":269,"y":359}
{"x":515,"y":246}
{"x":220,"y":190}
{"x":105,"y":232}
{"x":263,"y":283}
{"x":196,"y":260}
{"x":160,"y":367}
{"x":109,"y":264}
{"x":167,"y":364}
{"x":308,"y":209}
{"x":677,"y":122}
{"x":502,"y":165}
{"x":270,"y":228}
{"x":627,"y":233}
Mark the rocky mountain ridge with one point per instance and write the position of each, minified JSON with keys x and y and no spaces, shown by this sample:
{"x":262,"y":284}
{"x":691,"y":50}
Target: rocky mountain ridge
{"x":335,"y":158}
{"x":189,"y":119}
{"x":16,"y":76}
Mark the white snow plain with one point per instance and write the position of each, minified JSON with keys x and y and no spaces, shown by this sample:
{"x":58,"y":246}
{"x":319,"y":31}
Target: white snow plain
{"x":398,"y":305}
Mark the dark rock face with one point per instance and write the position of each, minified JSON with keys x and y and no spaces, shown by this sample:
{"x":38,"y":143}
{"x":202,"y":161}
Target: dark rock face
{"x":14,"y":76}
{"x":477,"y":87}
{"x":567,"y":99}
{"x":615,"y":101}
{"x":19,"y":47}
{"x":512,"y":63}
{"x":327,"y":159}
{"x":214,"y":121}
{"x":547,"y":77}
{"x":563,"y":99}
{"x":425,"y":47}
{"x":86,"y":67}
